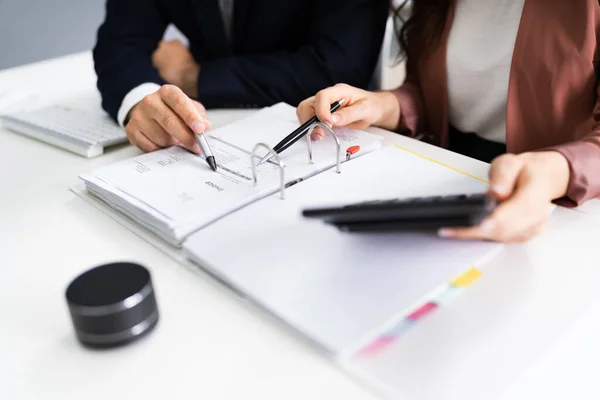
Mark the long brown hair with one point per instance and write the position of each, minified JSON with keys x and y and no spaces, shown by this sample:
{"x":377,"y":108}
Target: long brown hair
{"x":423,"y":28}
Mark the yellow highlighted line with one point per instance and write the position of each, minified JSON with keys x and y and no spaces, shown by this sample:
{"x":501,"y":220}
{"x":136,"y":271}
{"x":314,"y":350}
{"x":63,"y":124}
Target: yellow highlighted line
{"x":442,"y":164}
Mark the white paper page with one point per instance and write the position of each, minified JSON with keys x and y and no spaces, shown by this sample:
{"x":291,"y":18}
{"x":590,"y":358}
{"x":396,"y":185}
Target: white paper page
{"x":285,"y":112}
{"x":337,"y":288}
{"x":180,"y":185}
{"x":177,"y":193}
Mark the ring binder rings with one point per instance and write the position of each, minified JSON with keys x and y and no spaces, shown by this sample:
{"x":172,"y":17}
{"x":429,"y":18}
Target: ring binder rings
{"x":335,"y":137}
{"x":279,"y":162}
{"x":196,"y":196}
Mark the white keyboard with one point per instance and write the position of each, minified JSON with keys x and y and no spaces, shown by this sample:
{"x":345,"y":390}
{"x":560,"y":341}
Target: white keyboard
{"x":81,"y":132}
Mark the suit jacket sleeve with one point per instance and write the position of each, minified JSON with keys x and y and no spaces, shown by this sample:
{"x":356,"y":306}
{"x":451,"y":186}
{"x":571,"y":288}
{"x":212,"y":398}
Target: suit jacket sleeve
{"x":123,"y":52}
{"x":342,"y":45}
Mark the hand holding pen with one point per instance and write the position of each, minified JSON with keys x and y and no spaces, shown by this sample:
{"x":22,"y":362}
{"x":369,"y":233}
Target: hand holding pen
{"x":168,"y":117}
{"x":298,"y":134}
{"x":360,"y":110}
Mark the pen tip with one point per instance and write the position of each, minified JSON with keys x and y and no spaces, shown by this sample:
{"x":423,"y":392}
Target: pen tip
{"x":262,"y":160}
{"x":211,"y":161}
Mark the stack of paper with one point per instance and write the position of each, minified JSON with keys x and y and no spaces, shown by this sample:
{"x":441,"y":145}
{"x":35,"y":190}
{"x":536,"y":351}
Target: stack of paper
{"x":173,"y":192}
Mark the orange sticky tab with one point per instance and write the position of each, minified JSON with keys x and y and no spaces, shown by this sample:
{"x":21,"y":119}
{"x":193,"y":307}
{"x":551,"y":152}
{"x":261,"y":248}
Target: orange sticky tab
{"x":467,"y":278}
{"x":353,"y":149}
{"x":350,"y":151}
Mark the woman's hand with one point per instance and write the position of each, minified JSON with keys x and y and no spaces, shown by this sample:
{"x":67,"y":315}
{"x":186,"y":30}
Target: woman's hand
{"x":525,"y":185}
{"x":359,"y":110}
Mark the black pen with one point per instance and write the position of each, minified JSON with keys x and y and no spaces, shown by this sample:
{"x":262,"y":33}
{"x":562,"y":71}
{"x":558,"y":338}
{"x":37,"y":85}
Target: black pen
{"x":297,"y":134}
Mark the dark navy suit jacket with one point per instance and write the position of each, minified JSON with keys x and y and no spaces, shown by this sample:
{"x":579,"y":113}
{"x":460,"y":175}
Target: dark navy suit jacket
{"x":281,"y":50}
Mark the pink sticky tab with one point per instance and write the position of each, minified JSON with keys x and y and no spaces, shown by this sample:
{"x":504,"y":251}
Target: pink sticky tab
{"x":421,"y":311}
{"x":376,"y":346}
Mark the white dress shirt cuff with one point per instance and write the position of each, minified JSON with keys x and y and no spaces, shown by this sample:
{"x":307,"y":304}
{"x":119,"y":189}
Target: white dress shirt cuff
{"x":134,"y":96}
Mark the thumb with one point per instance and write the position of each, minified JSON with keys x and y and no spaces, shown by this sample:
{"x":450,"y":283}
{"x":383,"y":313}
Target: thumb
{"x":504,"y":173}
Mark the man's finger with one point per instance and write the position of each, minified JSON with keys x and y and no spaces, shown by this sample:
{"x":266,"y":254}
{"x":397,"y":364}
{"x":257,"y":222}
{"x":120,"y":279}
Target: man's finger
{"x":138,"y":139}
{"x":171,"y":122}
{"x":153,"y":131}
{"x":184,"y":107}
{"x":202,"y":111}
{"x":504,"y":172}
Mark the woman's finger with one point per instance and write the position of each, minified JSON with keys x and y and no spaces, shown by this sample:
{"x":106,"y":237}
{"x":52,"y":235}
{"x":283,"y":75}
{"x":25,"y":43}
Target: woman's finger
{"x":474,"y":233}
{"x":513,"y":220}
{"x":326,"y":97}
{"x":317,"y":134}
{"x":354,"y":115}
{"x":504,"y":173}
{"x":306,"y":110}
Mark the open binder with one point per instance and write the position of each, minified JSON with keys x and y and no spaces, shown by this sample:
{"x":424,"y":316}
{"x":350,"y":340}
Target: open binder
{"x":172,"y":193}
{"x":350,"y":295}
{"x":344,"y":291}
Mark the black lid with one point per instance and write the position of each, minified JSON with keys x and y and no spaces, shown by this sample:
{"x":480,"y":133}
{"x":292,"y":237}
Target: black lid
{"x":112,"y":304}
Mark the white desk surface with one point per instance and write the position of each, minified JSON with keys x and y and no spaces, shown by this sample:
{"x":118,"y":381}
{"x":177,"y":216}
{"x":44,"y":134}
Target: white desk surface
{"x":529,"y":326}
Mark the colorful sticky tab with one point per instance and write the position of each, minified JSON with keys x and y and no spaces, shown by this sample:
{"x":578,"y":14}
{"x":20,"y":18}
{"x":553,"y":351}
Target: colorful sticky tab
{"x":438,"y":298}
{"x":376,"y":346}
{"x":467,"y":278}
{"x":421,"y":311}
{"x":397,"y":329}
{"x":350,"y":151}
{"x":448,"y":296}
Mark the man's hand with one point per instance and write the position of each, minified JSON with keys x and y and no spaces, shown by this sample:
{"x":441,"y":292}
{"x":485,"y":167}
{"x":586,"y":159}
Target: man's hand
{"x":177,"y":66}
{"x":166,"y":118}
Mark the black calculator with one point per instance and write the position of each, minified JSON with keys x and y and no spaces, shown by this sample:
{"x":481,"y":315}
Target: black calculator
{"x":408,"y":214}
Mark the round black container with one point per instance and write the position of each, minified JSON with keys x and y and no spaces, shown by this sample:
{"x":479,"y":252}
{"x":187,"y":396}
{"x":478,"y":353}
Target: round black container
{"x":112,"y":305}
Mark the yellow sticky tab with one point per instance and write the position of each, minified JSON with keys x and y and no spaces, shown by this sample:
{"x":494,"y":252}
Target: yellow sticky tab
{"x":467,"y":278}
